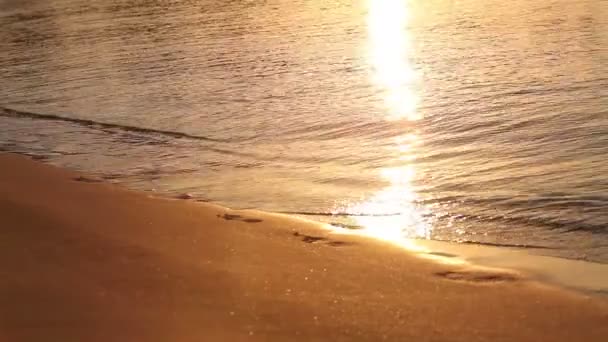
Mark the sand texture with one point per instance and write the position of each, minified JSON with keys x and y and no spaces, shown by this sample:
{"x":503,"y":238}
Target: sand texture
{"x":83,"y":260}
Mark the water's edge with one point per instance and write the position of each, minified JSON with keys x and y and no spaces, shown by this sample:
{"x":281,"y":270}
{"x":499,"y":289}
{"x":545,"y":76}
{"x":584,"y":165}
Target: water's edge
{"x":585,"y":277}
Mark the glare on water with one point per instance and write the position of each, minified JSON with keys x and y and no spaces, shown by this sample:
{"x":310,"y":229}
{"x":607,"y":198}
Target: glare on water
{"x":479,"y":121}
{"x":389,"y":45}
{"x":389,"y":56}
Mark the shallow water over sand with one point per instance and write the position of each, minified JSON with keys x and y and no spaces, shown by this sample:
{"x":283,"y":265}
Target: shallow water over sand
{"x":474,"y":121}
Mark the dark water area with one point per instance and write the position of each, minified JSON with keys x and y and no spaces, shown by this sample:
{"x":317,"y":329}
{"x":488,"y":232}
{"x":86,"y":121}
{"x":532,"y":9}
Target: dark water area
{"x":471,"y":121}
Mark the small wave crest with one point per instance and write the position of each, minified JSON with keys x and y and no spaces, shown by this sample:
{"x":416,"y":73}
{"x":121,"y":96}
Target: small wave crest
{"x":7,"y":112}
{"x":344,"y":214}
{"x":497,"y":244}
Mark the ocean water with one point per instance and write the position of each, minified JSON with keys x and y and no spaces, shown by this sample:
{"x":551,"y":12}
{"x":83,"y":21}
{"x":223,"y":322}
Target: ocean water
{"x":473,"y":121}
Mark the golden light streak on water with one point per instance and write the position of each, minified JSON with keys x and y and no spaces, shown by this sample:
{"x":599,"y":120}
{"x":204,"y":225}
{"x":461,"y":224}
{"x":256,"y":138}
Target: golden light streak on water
{"x":389,"y":45}
{"x":392,"y":213}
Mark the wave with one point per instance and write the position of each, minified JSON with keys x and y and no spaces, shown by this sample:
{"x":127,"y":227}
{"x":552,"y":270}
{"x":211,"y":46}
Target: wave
{"x":497,"y":244}
{"x":460,"y":241}
{"x":565,"y":226}
{"x":324,"y":213}
{"x":556,"y":201}
{"x":7,"y":112}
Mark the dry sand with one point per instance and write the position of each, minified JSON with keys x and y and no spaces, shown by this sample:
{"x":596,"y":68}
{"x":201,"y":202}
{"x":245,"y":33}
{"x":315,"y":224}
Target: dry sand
{"x":83,"y":260}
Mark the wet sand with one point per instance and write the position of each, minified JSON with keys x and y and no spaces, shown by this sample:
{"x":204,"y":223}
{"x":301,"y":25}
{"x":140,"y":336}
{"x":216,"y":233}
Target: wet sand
{"x":83,"y":260}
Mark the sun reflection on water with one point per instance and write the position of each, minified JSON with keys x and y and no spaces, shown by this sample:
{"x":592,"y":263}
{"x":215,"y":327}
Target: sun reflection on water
{"x":389,"y":47}
{"x":393,"y":214}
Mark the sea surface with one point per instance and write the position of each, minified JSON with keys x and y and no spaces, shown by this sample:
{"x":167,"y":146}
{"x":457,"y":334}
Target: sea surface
{"x":474,"y":121}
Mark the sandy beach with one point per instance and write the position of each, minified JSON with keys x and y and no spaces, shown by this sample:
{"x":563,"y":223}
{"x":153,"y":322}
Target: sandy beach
{"x":84,"y":260}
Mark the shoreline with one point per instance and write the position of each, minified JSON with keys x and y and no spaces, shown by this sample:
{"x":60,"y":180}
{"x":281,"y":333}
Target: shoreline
{"x":582,"y":276}
{"x":589,"y":277}
{"x":94,"y":261}
{"x":195,"y":193}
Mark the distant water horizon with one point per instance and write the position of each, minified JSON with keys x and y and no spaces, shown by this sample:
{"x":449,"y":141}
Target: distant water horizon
{"x":466,"y":121}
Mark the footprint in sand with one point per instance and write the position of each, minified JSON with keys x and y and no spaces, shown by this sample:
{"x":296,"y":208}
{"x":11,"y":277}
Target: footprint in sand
{"x":320,"y":239}
{"x":251,"y":220}
{"x":231,"y":217}
{"x":442,"y":254}
{"x":112,"y":176}
{"x":184,"y":196}
{"x":187,"y":196}
{"x":477,"y":276}
{"x":86,"y":179}
{"x":37,"y":157}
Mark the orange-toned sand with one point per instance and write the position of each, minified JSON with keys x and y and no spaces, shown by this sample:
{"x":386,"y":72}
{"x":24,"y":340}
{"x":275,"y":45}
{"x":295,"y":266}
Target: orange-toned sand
{"x":88,"y":261}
